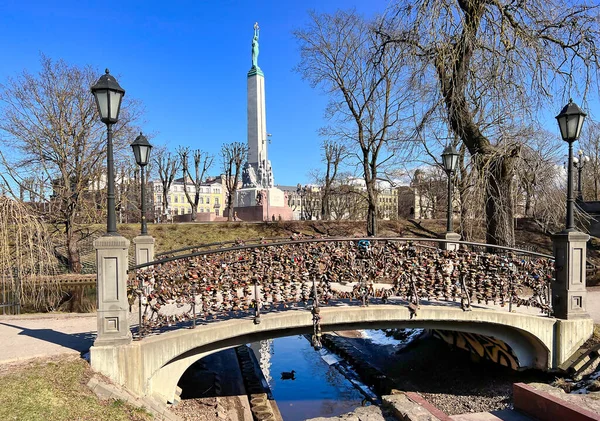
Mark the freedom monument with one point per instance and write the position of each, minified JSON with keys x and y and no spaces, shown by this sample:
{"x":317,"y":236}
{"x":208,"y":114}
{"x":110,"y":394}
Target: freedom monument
{"x":258,"y":200}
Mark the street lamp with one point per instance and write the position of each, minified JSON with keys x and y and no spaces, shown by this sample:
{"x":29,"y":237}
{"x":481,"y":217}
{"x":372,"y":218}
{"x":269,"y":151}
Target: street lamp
{"x":141,"y":150}
{"x":109,"y":94}
{"x":570,"y":120}
{"x":579,"y":163}
{"x":450,"y":161}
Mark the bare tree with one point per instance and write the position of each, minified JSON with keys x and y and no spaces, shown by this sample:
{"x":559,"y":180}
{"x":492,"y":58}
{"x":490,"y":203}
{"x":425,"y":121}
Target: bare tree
{"x":333,"y":154}
{"x":51,"y":132}
{"x":347,"y":201}
{"x":166,"y":166}
{"x":366,"y":92}
{"x":535,"y":169}
{"x":233,"y":156}
{"x":25,"y":256}
{"x":590,"y":145}
{"x":489,"y":66}
{"x":202,"y":163}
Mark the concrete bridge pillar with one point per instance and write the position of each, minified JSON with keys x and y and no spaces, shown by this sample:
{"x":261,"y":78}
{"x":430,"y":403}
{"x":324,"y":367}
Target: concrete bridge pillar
{"x":144,"y":249}
{"x":568,"y":291}
{"x":112,"y":262}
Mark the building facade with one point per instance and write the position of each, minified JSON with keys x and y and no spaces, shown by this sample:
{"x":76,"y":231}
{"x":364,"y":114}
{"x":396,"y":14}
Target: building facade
{"x":210,"y":203}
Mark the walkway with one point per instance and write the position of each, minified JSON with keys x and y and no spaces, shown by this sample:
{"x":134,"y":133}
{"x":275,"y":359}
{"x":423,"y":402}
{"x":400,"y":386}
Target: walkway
{"x":46,"y":335}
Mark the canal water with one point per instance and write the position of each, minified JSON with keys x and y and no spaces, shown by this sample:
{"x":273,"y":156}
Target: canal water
{"x":317,"y":390}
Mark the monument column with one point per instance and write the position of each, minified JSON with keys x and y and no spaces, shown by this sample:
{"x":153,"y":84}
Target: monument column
{"x":257,"y":124}
{"x":258,"y":199}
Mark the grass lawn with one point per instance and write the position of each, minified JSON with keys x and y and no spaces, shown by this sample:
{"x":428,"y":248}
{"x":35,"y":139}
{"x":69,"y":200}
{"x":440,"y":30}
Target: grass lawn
{"x":55,"y":390}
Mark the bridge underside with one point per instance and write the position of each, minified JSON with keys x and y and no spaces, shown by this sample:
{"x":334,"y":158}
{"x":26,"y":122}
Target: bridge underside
{"x":154,"y":365}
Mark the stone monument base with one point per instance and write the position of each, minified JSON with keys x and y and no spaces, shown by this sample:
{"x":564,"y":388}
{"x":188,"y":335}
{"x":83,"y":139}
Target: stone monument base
{"x":255,"y":204}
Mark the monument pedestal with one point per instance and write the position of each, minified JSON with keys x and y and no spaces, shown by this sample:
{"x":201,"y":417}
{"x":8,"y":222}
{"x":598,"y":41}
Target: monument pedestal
{"x":112,"y":260}
{"x":569,"y":292}
{"x":256,"y":204}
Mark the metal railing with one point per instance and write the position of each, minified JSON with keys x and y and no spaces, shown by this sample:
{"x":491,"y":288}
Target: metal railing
{"x":247,"y":279}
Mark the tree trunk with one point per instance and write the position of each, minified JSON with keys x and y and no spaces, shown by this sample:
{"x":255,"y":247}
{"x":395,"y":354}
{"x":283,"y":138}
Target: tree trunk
{"x":72,"y":250}
{"x":498,"y":207}
{"x":230,"y":207}
{"x":528,"y":195}
{"x":325,"y":212}
{"x":372,"y":220}
{"x":371,"y":209}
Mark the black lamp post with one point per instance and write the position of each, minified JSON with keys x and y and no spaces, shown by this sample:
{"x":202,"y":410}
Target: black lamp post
{"x":109,"y":94}
{"x":141,"y":150}
{"x":570,"y":121}
{"x":580,"y":162}
{"x":450,"y":161}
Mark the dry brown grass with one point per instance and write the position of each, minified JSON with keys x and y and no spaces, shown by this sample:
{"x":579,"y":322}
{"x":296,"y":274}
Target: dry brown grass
{"x":55,"y":389}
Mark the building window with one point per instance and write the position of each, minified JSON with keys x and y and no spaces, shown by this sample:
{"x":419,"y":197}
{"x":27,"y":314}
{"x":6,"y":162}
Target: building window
{"x":176,"y":199}
{"x":216,"y":212}
{"x":216,"y":200}
{"x":201,"y":201}
{"x":208,"y":200}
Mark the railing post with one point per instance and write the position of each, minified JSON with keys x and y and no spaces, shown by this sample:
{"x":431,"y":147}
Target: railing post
{"x":194,"y":306}
{"x":569,"y":291}
{"x":140,"y":321}
{"x":256,"y":303}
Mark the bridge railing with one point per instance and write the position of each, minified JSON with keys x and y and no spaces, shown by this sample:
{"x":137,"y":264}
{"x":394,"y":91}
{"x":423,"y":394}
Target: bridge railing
{"x":247,"y":279}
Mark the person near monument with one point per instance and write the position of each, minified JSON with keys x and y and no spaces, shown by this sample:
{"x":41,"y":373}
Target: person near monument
{"x":255,"y":46}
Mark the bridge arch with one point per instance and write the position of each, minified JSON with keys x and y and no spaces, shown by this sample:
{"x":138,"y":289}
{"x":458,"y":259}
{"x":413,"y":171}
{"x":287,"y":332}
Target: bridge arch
{"x":163,"y":359}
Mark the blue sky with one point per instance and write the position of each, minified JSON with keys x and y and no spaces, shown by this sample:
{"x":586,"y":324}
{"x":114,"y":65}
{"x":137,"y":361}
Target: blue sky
{"x":187,"y":61}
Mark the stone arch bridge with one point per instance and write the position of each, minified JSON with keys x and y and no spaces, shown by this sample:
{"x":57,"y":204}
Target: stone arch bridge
{"x":220,"y":296}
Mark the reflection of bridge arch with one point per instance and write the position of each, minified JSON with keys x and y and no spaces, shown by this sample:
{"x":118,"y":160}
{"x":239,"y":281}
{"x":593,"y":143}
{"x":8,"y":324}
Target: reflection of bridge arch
{"x":155,"y":364}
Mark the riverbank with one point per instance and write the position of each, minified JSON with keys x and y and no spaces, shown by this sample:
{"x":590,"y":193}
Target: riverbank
{"x":450,"y":379}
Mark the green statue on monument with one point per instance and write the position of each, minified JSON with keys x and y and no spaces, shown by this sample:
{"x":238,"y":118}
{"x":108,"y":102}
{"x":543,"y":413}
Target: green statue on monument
{"x":255,"y":47}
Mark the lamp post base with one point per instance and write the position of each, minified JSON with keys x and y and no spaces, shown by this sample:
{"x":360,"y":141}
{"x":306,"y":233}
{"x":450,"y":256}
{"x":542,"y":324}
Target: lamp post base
{"x":569,"y":293}
{"x":112,"y":262}
{"x":144,"y":249}
{"x":450,"y":246}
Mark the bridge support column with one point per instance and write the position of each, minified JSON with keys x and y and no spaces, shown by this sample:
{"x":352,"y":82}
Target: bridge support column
{"x":449,"y":245}
{"x":568,"y":289}
{"x":112,"y":262}
{"x":144,"y":249}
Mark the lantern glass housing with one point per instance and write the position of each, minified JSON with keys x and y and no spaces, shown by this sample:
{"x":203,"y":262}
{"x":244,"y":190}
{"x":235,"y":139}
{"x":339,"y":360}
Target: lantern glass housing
{"x":570,"y":120}
{"x":108,"y":94}
{"x":141,"y":150}
{"x":450,"y":158}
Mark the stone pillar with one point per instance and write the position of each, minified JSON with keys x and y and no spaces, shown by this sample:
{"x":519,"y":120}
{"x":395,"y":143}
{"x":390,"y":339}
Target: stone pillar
{"x":144,"y":249}
{"x":112,"y":261}
{"x":568,"y":292}
{"x":448,"y":245}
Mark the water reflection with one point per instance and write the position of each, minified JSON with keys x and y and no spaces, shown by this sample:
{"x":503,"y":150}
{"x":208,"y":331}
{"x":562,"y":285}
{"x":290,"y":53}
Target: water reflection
{"x":318,"y":389}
